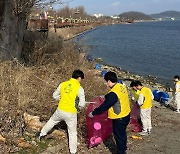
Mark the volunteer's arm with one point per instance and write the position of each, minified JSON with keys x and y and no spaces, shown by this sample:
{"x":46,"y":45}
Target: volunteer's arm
{"x":141,"y":99}
{"x":56,"y":94}
{"x":110,"y":99}
{"x":81,"y":96}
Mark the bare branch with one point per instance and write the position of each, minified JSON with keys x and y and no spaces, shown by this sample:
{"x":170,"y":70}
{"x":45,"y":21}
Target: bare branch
{"x":47,"y":3}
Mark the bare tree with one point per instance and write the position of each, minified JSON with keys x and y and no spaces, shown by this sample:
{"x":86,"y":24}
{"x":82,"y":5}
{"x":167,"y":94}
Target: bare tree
{"x":13,"y":24}
{"x":78,"y":12}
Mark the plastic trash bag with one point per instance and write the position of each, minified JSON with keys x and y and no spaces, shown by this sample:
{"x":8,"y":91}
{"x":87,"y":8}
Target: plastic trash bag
{"x":135,"y":122}
{"x":161,"y":96}
{"x":99,"y":127}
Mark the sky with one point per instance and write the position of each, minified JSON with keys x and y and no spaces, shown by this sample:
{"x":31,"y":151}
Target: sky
{"x":116,"y":7}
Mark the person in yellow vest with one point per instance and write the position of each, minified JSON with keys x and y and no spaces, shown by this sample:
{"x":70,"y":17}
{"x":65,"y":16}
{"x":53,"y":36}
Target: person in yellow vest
{"x":177,"y":92}
{"x":145,"y":103}
{"x":118,"y":106}
{"x":134,"y":92}
{"x":71,"y":97}
{"x":134,"y":98}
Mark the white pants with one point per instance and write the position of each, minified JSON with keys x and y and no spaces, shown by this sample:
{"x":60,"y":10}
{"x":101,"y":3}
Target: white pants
{"x":145,"y":115}
{"x":71,"y":121}
{"x":177,"y":100}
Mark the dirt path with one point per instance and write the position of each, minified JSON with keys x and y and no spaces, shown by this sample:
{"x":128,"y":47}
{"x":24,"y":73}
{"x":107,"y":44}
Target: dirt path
{"x":165,"y":137}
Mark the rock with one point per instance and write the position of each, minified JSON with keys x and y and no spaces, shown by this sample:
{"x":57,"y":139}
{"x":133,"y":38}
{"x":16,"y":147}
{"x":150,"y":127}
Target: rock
{"x":33,"y":143}
{"x":53,"y":150}
{"x":2,"y":138}
{"x":32,"y":122}
{"x":105,"y":67}
{"x":59,"y":134}
{"x":22,"y":143}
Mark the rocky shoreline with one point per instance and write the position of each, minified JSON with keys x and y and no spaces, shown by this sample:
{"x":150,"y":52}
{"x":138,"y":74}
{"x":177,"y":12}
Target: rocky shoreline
{"x":127,"y":77}
{"x":149,"y":80}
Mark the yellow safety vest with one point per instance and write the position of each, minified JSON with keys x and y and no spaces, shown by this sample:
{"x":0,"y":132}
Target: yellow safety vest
{"x":147,"y":98}
{"x":68,"y":93}
{"x":122,"y":94}
{"x":179,"y":86}
{"x":136,"y":94}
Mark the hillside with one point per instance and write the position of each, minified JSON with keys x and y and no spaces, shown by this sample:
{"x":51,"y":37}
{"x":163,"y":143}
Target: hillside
{"x":134,"y":16}
{"x":171,"y":14}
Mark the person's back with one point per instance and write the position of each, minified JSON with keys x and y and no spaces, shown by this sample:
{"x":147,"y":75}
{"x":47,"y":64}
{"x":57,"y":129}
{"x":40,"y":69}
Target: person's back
{"x":145,"y":103}
{"x":117,"y":104}
{"x":122,"y":94}
{"x":147,"y":98}
{"x":68,"y":92}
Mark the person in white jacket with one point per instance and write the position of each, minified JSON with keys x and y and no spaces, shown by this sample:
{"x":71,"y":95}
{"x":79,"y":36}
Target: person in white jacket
{"x":71,"y":97}
{"x":177,"y":92}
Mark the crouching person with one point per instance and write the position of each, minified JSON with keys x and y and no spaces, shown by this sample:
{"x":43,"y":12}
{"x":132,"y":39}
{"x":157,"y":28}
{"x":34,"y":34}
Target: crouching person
{"x":67,"y":93}
{"x":145,"y":103}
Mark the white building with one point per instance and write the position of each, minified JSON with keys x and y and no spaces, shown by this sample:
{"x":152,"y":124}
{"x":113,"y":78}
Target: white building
{"x":98,"y":15}
{"x":115,"y":17}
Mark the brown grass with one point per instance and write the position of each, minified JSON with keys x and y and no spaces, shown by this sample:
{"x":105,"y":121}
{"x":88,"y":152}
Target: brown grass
{"x":29,"y":86}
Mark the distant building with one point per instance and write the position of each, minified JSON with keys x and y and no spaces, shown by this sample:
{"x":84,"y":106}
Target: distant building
{"x":115,"y":17}
{"x":98,"y":15}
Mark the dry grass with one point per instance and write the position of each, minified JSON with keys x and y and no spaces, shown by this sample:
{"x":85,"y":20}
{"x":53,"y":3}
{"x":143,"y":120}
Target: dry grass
{"x":29,"y":86}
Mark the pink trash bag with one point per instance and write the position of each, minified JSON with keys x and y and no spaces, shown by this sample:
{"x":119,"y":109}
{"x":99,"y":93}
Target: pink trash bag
{"x":135,"y":123}
{"x":99,"y":127}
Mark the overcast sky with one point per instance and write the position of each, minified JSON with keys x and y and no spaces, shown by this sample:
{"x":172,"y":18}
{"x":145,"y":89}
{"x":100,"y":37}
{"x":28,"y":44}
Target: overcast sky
{"x":116,"y":7}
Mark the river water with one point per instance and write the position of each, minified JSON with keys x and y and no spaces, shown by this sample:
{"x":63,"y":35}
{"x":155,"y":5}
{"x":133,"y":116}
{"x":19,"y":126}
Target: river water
{"x":146,"y":48}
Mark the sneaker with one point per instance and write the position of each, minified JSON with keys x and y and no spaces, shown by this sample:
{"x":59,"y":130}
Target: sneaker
{"x":144,"y":133}
{"x":41,"y":137}
{"x":177,"y":111}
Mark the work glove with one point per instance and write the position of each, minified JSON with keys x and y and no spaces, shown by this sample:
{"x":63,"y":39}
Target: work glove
{"x":102,"y":97}
{"x":90,"y":115}
{"x":132,"y":98}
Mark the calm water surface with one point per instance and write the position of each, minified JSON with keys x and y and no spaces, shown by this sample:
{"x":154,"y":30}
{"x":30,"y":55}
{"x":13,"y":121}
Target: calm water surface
{"x":151,"y":48}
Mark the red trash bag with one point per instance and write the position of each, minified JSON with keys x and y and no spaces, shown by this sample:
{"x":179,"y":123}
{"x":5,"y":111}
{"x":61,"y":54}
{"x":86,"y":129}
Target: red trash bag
{"x":99,"y":127}
{"x":135,"y":123}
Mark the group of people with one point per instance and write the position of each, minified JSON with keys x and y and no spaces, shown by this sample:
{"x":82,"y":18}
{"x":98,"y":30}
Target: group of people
{"x":72,"y":98}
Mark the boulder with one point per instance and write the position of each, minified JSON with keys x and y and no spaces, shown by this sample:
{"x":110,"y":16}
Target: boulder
{"x":33,"y":122}
{"x":22,"y":143}
{"x":2,"y":138}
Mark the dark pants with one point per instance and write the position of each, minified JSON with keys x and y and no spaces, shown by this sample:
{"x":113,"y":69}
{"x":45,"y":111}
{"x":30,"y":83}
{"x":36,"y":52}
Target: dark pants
{"x":119,"y":131}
